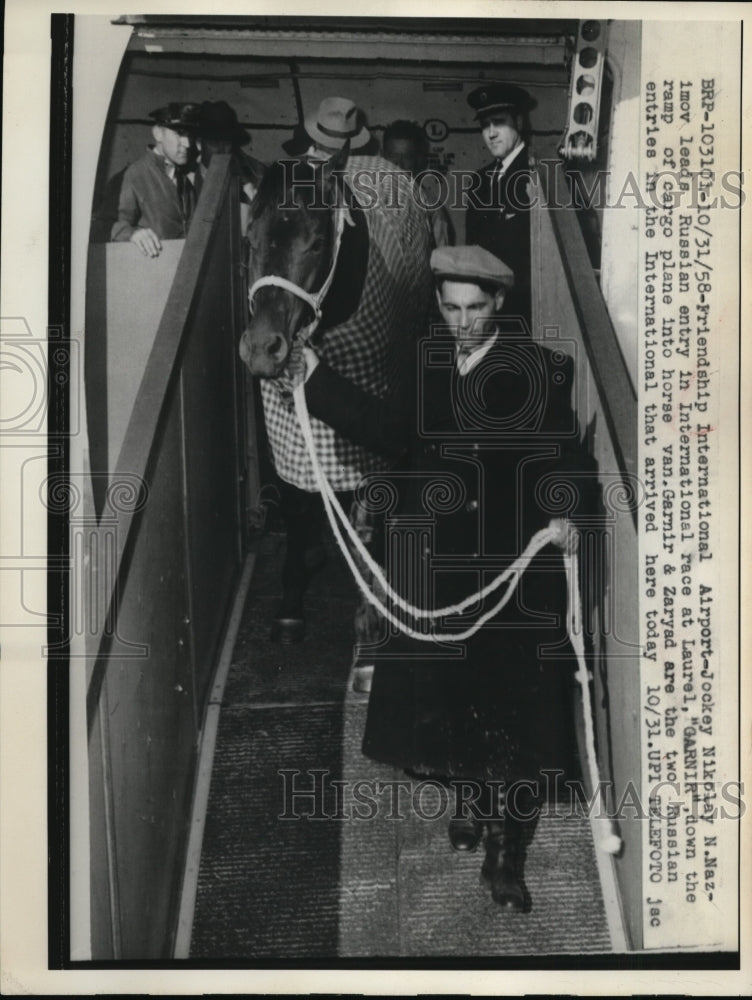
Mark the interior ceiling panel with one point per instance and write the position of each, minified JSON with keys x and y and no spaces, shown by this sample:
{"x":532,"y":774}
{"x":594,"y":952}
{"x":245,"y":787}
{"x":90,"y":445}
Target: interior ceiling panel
{"x":540,"y":27}
{"x":533,"y":42}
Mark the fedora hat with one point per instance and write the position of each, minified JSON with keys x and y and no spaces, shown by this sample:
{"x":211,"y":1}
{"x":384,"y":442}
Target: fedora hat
{"x":218,"y":120}
{"x":337,"y":120}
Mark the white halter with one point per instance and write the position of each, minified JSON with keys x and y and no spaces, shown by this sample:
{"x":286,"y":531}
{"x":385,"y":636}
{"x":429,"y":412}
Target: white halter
{"x":313,"y":299}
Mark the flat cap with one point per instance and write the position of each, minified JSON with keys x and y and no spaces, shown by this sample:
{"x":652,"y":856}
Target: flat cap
{"x":499,"y":97}
{"x":178,"y":116}
{"x":471,"y":263}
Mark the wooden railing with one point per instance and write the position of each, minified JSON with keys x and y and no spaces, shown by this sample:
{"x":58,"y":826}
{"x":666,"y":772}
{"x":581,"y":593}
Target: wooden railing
{"x":606,"y":361}
{"x":570,"y":312}
{"x":166,"y":552}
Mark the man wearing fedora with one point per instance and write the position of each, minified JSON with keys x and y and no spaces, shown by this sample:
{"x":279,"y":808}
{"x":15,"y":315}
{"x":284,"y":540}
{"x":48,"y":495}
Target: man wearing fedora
{"x":326,"y":131}
{"x":498,"y":213}
{"x":159,"y":191}
{"x":221,"y":132}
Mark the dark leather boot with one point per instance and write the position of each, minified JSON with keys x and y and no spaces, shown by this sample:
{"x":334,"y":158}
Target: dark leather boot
{"x":465,"y":833}
{"x":502,"y":868}
{"x":287,"y":630}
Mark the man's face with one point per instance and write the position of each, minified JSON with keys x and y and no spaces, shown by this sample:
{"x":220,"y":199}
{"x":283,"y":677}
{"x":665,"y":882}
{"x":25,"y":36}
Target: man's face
{"x":406,"y":154}
{"x":176,"y":146}
{"x":467,"y":308}
{"x":501,"y":132}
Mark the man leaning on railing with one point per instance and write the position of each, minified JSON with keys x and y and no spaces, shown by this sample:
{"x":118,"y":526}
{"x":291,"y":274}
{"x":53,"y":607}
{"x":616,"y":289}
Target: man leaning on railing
{"x":154,"y":198}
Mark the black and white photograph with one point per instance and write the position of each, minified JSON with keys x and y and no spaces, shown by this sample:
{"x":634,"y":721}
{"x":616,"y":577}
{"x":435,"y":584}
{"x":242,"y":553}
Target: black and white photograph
{"x":372,"y":486}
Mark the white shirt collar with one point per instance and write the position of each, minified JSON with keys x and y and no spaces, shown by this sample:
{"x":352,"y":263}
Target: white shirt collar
{"x":504,"y":165}
{"x":469,"y":362}
{"x":170,"y":169}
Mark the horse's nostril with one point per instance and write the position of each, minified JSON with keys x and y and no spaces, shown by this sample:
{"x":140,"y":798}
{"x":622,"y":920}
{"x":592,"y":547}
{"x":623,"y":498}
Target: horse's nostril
{"x":276,"y":344}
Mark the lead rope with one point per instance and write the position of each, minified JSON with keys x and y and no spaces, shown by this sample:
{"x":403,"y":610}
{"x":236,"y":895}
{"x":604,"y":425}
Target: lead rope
{"x":609,"y":842}
{"x":334,"y":510}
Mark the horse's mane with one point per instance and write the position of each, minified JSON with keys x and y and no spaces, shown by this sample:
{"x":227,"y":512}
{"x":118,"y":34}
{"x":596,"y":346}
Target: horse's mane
{"x":273,"y":181}
{"x":277,"y":180}
{"x":347,"y":286}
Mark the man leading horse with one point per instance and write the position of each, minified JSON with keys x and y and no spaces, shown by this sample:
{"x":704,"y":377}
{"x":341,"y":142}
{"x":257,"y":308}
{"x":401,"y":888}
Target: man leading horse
{"x":493,"y":453}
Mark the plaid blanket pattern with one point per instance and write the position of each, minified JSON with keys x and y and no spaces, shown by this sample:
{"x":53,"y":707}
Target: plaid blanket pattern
{"x":372,"y":347}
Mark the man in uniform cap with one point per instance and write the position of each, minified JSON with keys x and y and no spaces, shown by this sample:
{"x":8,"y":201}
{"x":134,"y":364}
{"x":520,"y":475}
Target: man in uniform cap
{"x":158,"y":192}
{"x":486,"y":435}
{"x":498,"y":213}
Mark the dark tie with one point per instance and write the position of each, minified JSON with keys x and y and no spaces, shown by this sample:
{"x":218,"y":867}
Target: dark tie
{"x":498,"y":178}
{"x":185,"y":195}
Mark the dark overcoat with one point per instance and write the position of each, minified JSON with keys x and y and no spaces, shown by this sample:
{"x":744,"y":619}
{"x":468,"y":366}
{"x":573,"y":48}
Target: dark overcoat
{"x":498,"y":219}
{"x":492,"y":459}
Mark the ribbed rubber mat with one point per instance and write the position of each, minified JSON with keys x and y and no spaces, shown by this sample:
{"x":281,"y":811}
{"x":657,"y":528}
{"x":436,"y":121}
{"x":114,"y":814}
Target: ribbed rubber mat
{"x":313,"y":670}
{"x":406,"y":893}
{"x":269,"y":887}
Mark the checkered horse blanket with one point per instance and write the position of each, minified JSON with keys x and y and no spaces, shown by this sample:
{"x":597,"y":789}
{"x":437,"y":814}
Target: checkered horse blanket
{"x":374,"y":344}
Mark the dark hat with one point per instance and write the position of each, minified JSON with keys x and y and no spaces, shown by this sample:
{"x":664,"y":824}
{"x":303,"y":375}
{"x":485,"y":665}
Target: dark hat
{"x":218,"y":120}
{"x":497,"y":97}
{"x":298,"y":143}
{"x":471,"y":263}
{"x":177,"y":116}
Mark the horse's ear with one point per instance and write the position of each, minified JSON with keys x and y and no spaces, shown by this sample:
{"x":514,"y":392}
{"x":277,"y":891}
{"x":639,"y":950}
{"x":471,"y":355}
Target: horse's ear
{"x":337,"y":162}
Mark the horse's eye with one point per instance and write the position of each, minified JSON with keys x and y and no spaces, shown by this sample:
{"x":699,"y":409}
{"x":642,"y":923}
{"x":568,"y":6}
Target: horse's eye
{"x":318,"y":245}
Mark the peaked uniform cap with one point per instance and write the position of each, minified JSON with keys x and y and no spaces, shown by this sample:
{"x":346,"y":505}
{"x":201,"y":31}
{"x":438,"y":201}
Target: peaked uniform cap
{"x":499,"y":97}
{"x":178,"y":116}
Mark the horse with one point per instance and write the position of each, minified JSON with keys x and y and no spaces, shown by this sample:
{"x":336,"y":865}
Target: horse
{"x":338,"y":251}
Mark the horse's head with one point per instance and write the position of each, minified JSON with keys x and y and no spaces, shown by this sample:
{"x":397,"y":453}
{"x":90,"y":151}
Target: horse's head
{"x":291,"y":235}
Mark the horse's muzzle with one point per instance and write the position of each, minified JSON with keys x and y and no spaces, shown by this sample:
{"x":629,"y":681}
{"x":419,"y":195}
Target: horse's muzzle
{"x":265,"y":354}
